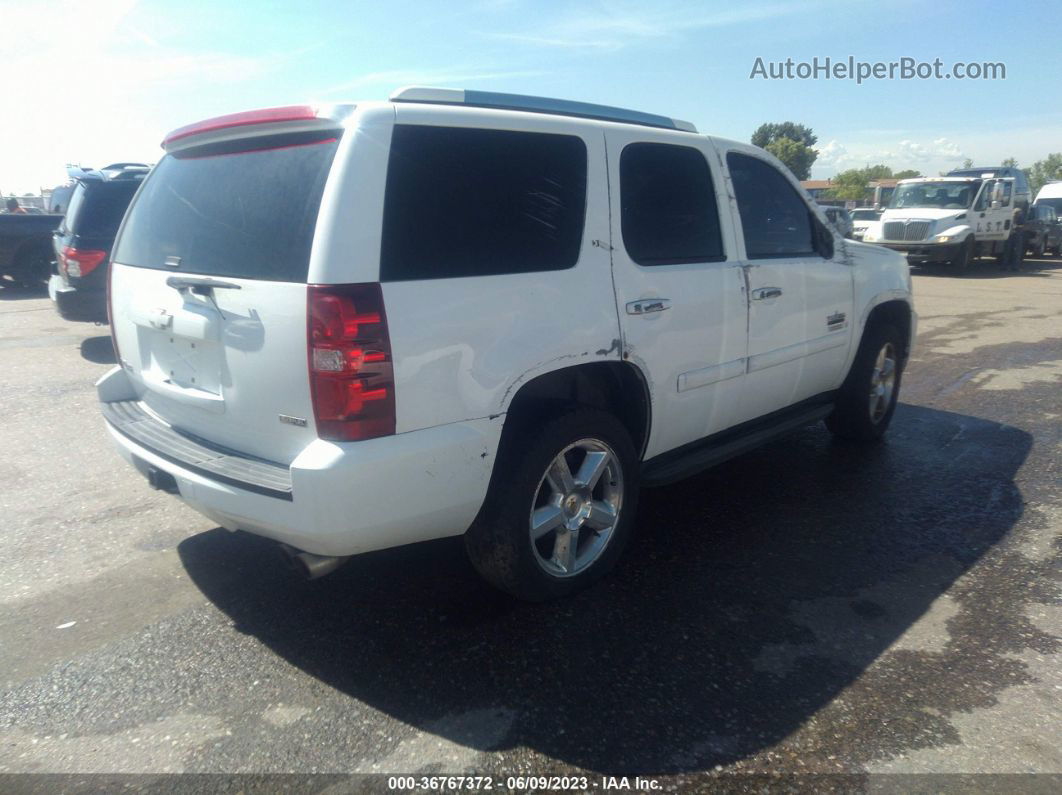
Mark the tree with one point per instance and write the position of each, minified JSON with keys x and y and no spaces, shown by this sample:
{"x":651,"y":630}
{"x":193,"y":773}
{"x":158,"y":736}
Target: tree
{"x":967,"y":163}
{"x":767,"y":133}
{"x":908,"y":173}
{"x":796,"y":156}
{"x":1010,"y":162}
{"x":1043,"y":171}
{"x":852,"y":184}
{"x":789,"y":142}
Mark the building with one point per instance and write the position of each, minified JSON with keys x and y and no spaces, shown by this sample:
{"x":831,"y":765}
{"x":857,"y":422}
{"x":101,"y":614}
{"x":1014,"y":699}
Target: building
{"x":816,"y":187}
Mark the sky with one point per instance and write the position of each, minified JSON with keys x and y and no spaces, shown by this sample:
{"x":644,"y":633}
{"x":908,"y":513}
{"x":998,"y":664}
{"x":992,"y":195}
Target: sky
{"x":99,"y":81}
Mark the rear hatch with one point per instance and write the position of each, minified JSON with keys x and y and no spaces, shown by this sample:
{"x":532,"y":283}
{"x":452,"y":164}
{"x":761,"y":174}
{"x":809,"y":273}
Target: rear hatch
{"x":209,"y":288}
{"x":88,"y":229}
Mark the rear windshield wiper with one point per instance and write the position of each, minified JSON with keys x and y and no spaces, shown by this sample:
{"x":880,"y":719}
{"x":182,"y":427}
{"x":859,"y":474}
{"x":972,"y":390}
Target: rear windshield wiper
{"x":199,"y":286}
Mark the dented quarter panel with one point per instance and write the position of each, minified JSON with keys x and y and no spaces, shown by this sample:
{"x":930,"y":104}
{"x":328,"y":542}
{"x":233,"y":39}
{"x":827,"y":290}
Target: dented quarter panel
{"x":463,"y":347}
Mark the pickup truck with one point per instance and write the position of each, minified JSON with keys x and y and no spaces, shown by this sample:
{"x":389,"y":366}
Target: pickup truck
{"x":26,"y":246}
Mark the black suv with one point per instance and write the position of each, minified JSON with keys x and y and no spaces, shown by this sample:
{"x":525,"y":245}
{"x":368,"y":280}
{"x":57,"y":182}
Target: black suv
{"x":83,"y":240}
{"x":1043,"y":231}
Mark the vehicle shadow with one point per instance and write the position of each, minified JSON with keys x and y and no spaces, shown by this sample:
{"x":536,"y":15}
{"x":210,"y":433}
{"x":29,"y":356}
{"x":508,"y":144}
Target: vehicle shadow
{"x":99,"y":350}
{"x":988,"y":269}
{"x":751,"y":597}
{"x":16,"y":291}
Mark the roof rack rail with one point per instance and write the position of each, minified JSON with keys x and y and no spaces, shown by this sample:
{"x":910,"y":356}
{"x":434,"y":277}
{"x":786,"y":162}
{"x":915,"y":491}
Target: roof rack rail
{"x":561,"y":107}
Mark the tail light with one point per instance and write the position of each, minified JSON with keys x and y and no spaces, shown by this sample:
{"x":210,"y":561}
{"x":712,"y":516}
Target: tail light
{"x":79,"y":261}
{"x":351,"y":372}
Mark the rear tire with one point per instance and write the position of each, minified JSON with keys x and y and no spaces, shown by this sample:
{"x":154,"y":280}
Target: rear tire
{"x":547,"y":528}
{"x":867,"y":399}
{"x":32,"y":266}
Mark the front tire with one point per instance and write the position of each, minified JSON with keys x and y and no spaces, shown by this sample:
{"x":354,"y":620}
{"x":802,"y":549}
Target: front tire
{"x":962,"y":261}
{"x":867,"y":399}
{"x":561,"y":506}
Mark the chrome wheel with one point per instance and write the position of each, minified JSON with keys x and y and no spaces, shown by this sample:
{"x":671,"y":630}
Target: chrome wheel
{"x":576,"y":507}
{"x":882,"y":382}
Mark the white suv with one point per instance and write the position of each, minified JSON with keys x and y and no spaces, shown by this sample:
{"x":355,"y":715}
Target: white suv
{"x":353,"y":327}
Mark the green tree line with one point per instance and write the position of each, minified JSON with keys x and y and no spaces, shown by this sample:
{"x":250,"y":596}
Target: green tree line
{"x":793,"y":144}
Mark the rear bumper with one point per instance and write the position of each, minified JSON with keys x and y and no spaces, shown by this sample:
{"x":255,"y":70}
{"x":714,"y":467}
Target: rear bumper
{"x":74,"y":303}
{"x":344,"y":498}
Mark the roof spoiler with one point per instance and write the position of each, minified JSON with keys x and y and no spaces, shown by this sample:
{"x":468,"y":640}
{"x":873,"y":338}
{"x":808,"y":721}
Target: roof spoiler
{"x":257,"y":123}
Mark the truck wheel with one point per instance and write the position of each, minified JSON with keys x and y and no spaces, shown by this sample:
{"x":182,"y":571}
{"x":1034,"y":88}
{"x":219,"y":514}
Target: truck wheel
{"x":867,"y":399}
{"x":560,"y":509}
{"x":32,"y":266}
{"x":962,"y":261}
{"x":1017,"y":256}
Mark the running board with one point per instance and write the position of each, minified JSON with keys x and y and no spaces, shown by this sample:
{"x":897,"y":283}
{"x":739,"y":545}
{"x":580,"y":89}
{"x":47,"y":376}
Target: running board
{"x":693,"y":458}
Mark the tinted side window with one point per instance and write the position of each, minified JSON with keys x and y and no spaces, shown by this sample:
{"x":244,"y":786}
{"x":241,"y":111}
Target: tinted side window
{"x":74,"y":207}
{"x":669,"y":213}
{"x":984,"y":197}
{"x":775,"y":220}
{"x":472,"y":202}
{"x":103,"y":207}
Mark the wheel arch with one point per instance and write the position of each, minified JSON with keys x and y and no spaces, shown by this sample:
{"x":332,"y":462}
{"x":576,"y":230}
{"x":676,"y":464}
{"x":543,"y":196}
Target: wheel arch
{"x":897,"y":312}
{"x":614,"y":386}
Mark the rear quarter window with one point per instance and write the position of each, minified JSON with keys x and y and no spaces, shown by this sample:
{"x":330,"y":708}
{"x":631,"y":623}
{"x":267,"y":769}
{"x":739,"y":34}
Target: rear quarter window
{"x":244,"y":214}
{"x":474,"y":202}
{"x":102,"y":206}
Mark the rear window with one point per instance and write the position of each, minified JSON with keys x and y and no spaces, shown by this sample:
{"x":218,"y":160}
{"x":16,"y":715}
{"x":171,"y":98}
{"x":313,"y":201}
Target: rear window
{"x":1053,"y":202}
{"x":98,"y":207}
{"x":248,"y":215}
{"x":473,"y":202}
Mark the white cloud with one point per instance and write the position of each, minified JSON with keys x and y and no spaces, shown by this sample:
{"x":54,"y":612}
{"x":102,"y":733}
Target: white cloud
{"x":935,"y":151}
{"x":833,"y":153}
{"x":928,"y":156}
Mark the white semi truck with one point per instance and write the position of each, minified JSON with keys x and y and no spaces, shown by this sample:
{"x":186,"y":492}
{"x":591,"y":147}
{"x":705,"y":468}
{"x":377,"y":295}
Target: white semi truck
{"x":953,"y":220}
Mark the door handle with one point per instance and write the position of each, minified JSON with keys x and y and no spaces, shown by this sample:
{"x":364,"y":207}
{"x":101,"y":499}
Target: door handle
{"x":763,"y":293}
{"x":644,"y":306}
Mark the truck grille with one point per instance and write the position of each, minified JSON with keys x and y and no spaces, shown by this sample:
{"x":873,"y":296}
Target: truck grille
{"x":905,"y":230}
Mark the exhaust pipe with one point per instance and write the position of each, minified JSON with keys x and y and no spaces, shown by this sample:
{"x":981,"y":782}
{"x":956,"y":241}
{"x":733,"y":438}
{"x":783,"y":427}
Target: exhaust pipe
{"x":310,"y":566}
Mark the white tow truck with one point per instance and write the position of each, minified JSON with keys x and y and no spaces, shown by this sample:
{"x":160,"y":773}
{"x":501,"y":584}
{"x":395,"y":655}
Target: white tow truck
{"x":951,"y":220}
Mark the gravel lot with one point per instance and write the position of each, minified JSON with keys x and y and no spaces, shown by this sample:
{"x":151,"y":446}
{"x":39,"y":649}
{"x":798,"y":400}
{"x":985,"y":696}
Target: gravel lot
{"x":806,"y":608}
